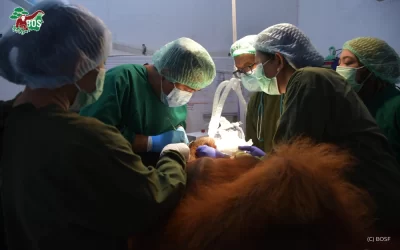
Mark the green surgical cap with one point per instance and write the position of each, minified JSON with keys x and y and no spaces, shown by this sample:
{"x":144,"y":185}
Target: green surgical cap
{"x":377,"y":56}
{"x":186,"y":62}
{"x":244,"y":46}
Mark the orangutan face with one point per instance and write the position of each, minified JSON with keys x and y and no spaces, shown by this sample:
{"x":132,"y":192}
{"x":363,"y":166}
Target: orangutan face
{"x":200,"y":142}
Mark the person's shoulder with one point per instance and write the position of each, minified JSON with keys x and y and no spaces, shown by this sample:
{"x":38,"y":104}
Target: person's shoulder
{"x":271,"y":98}
{"x":127,"y":74}
{"x":126,"y":70}
{"x":394,"y":102}
{"x":253,"y":99}
{"x":5,"y":106}
{"x":316,"y":72}
{"x":317,"y":77}
{"x":256,"y":95}
{"x":5,"y":109}
{"x":93,"y":131}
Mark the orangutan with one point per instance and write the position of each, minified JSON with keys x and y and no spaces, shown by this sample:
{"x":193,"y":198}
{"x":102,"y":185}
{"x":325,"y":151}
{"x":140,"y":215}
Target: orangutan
{"x":200,"y":142}
{"x":209,"y":142}
{"x":296,"y":198}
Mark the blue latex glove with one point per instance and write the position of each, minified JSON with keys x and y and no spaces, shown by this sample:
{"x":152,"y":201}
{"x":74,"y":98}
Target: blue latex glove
{"x":253,"y":150}
{"x":158,"y":142}
{"x":180,"y":128}
{"x":206,"y":151}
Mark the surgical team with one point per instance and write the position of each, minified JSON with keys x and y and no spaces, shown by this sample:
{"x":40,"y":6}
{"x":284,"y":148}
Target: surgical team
{"x":118,"y":166}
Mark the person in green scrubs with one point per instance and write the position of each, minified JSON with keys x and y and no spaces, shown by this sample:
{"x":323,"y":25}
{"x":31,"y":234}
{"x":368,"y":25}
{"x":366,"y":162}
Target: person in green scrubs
{"x":262,"y":109}
{"x":372,"y":68}
{"x":67,"y":181}
{"x":320,"y":104}
{"x":147,"y":103}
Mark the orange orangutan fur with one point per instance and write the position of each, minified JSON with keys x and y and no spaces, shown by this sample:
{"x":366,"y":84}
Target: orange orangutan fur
{"x":200,"y":142}
{"x":295,"y":199}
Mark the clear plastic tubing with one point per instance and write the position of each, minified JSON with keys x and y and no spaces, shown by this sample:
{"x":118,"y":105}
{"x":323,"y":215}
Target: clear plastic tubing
{"x":218,"y":104}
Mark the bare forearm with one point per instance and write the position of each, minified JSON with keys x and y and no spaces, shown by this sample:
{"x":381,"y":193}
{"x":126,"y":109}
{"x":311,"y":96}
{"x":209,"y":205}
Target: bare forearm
{"x":139,"y":144}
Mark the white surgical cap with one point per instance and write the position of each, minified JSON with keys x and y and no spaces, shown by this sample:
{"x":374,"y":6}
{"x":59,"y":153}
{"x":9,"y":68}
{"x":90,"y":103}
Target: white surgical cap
{"x":292,"y":43}
{"x":70,"y":43}
{"x":244,"y":45}
{"x":186,"y":62}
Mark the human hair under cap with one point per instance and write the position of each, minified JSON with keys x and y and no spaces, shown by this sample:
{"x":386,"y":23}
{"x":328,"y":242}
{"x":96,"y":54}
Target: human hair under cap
{"x":292,"y":43}
{"x":377,"y":56}
{"x":70,"y":43}
{"x":186,"y":62}
{"x":244,"y":45}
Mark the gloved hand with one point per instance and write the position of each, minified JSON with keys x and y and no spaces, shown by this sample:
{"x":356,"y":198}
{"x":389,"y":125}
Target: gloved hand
{"x":158,"y":142}
{"x":182,"y":148}
{"x":206,"y":151}
{"x":253,"y":150}
{"x":180,"y":128}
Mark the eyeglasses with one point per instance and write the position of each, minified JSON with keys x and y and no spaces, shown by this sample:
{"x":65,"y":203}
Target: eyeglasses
{"x":248,"y":70}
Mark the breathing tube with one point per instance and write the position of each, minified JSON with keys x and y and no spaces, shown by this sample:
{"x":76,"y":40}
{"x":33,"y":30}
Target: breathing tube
{"x":242,"y":104}
{"x":219,"y":101}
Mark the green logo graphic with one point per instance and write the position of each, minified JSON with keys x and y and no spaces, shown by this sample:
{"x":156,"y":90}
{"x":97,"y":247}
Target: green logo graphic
{"x":25,"y":23}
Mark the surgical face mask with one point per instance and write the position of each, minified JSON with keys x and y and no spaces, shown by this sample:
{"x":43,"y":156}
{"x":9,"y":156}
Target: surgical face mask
{"x":251,"y":83}
{"x":350,"y":74}
{"x":176,"y":98}
{"x":83,"y":98}
{"x":267,"y":85}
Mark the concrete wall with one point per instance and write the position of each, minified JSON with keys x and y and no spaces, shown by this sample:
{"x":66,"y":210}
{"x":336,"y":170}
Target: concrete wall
{"x":209,"y":22}
{"x":157,"y":22}
{"x":330,"y":23}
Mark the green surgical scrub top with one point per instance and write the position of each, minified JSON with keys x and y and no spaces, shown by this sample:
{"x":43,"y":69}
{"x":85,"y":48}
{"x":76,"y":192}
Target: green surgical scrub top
{"x":72,"y":182}
{"x":320,"y":104}
{"x":129,"y":103}
{"x":263,"y":110}
{"x":385,"y":107}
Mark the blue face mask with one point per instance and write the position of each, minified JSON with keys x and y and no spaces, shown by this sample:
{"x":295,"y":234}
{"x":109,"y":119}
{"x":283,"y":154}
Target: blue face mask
{"x":268,"y":85}
{"x":83,"y":98}
{"x":251,"y":83}
{"x":175,"y":98}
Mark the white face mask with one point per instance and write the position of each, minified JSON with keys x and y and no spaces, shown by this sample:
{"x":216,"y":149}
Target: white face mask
{"x":251,"y":83}
{"x":267,"y":85}
{"x":83,"y":98}
{"x":175,"y":98}
{"x":350,"y":75}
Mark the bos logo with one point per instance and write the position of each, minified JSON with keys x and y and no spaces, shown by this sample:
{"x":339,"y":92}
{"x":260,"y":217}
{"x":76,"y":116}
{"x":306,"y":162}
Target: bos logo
{"x":25,"y":22}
